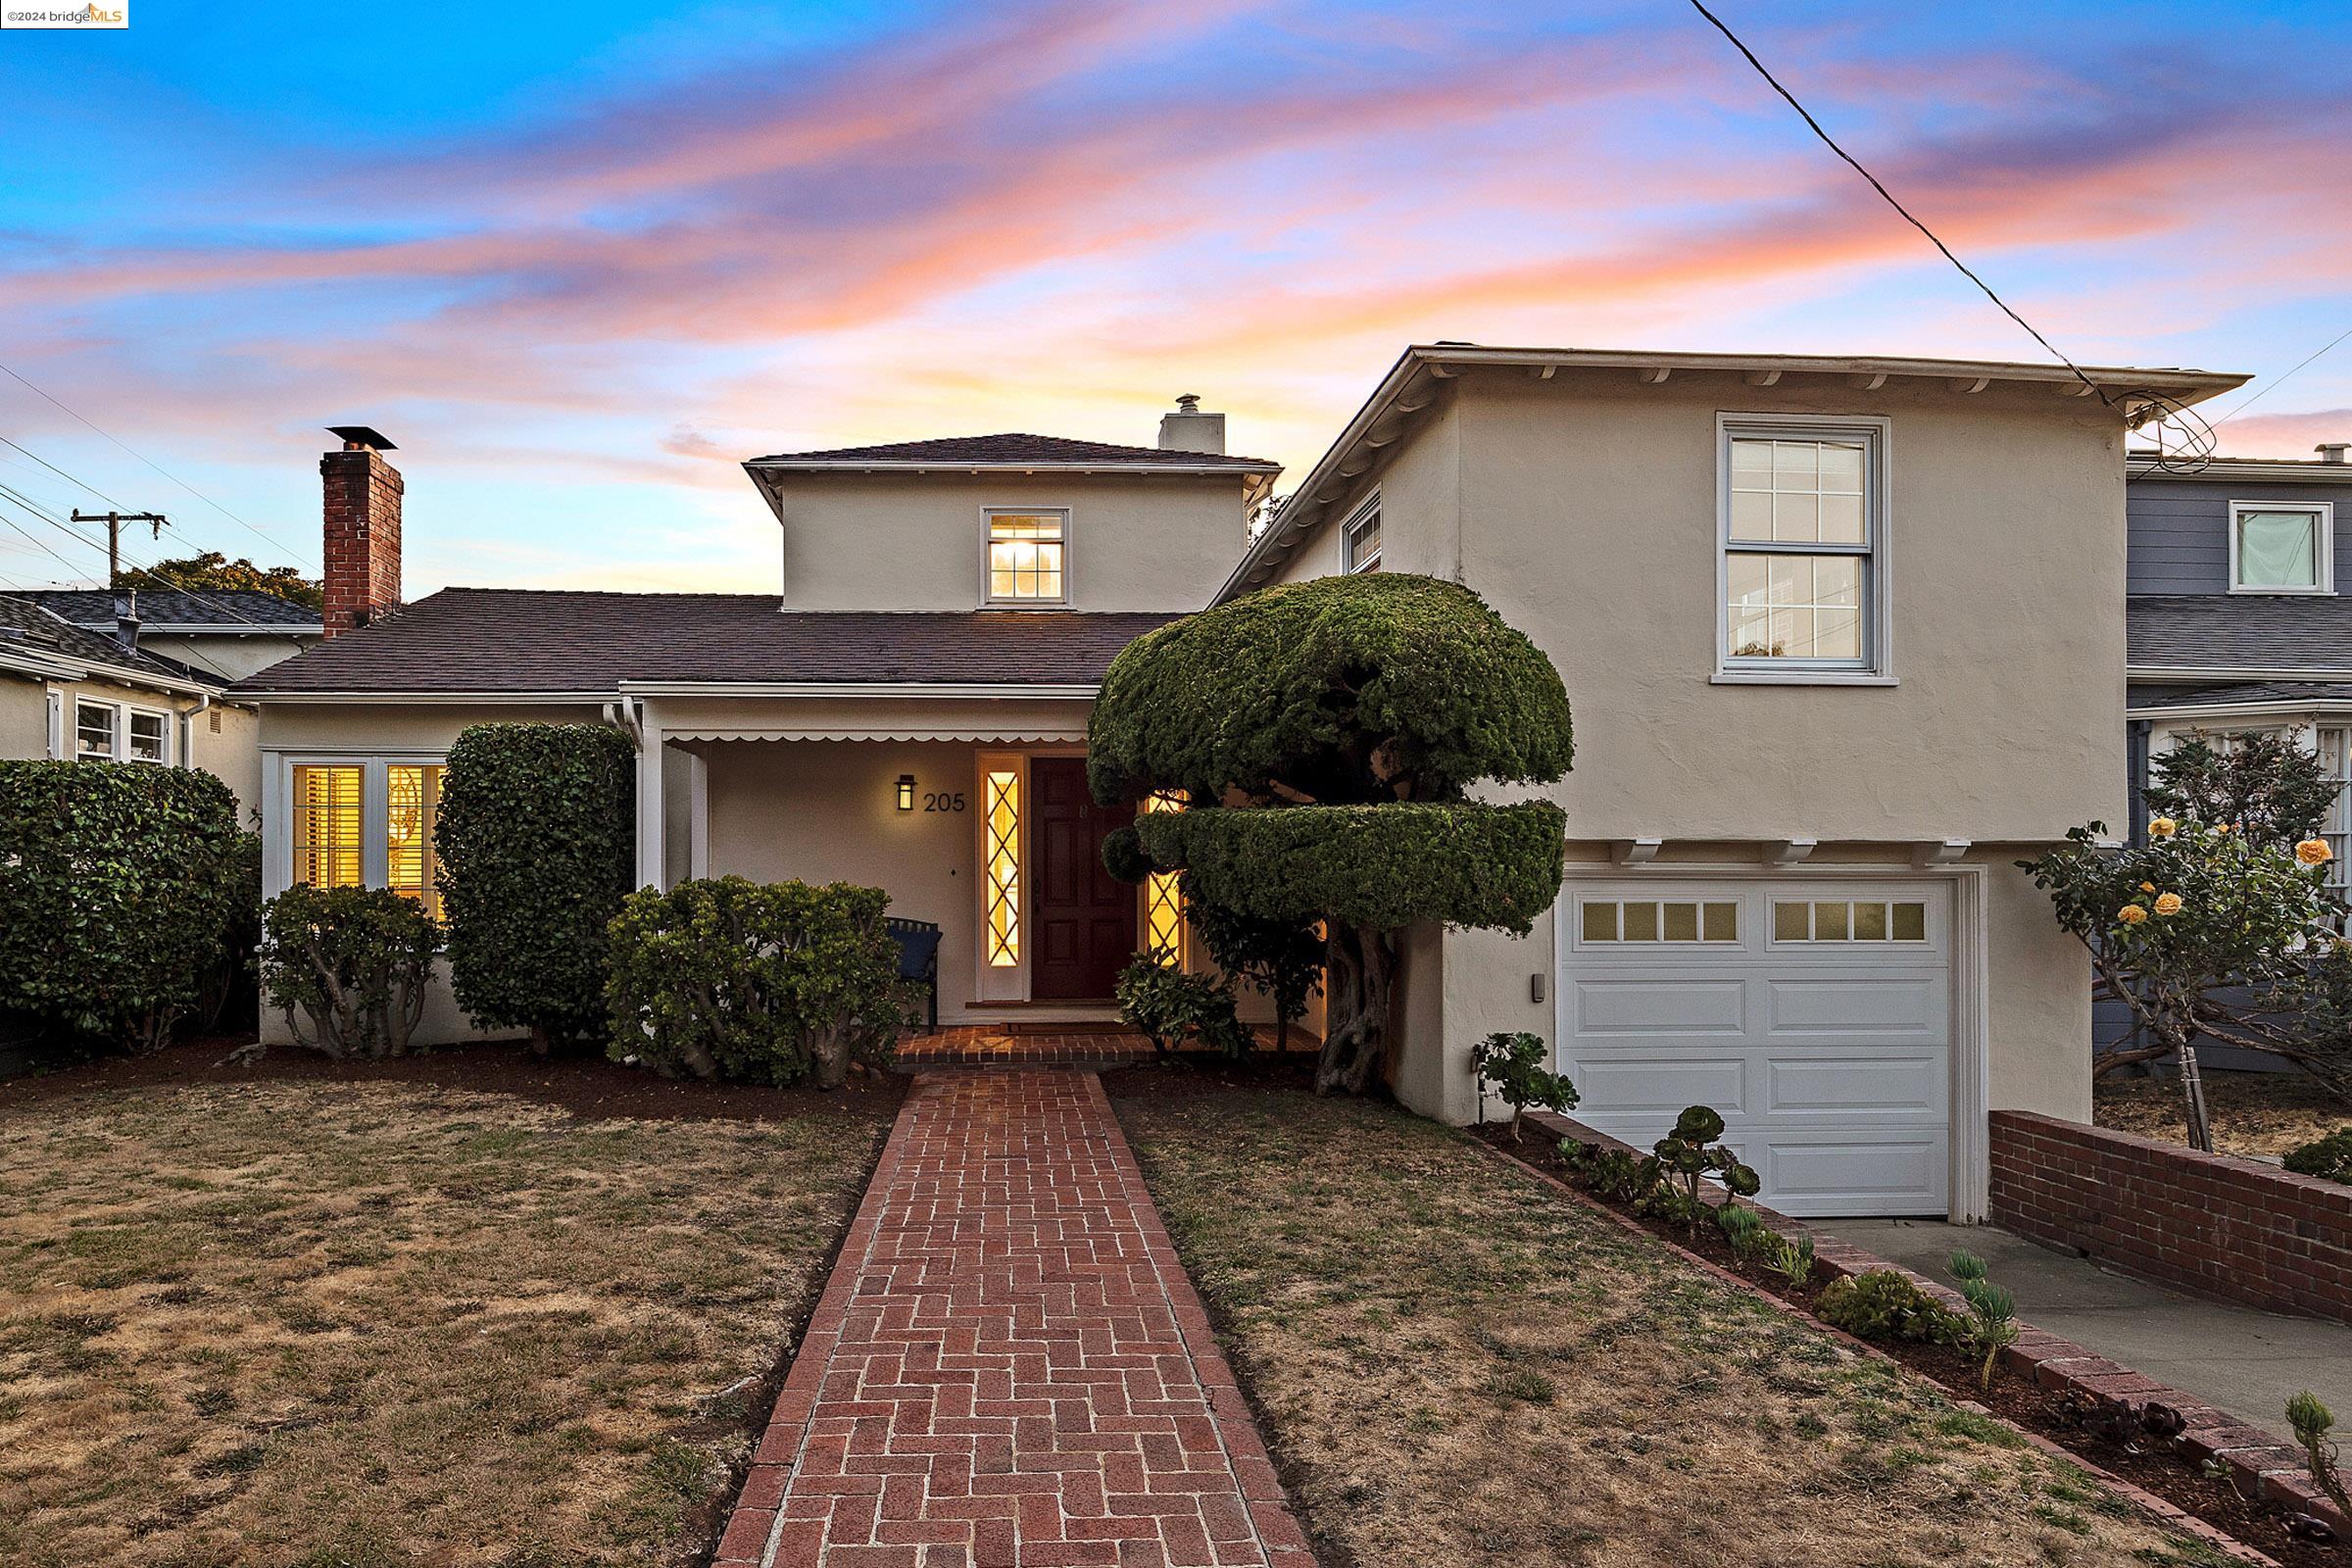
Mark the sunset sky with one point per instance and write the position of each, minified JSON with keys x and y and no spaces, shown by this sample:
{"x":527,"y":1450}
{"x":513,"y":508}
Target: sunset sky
{"x":580,"y":260}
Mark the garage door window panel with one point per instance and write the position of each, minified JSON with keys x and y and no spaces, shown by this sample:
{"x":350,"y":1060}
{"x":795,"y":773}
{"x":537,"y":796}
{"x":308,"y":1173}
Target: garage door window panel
{"x":1662,"y":920}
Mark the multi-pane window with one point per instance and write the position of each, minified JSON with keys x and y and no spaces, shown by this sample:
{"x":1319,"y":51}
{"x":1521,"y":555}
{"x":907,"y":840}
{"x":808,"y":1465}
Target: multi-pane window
{"x":1801,"y":525}
{"x":1163,"y":902}
{"x":328,"y":825}
{"x":1026,"y":557}
{"x":119,"y":733}
{"x":1660,"y":920}
{"x":2282,"y":548}
{"x":2335,"y":760}
{"x":95,"y":731}
{"x":412,"y":806}
{"x":1363,"y":540}
{"x":146,"y":739}
{"x":1849,"y":921}
{"x":1001,"y":823}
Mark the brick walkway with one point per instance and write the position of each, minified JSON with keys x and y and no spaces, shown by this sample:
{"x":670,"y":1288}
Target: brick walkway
{"x":1008,"y":1365}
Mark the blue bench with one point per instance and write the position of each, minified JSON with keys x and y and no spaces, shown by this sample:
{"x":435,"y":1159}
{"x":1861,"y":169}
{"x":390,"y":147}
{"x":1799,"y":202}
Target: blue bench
{"x":919,"y":957}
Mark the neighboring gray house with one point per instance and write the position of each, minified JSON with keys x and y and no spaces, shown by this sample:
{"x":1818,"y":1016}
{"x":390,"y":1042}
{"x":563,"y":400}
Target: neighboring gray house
{"x":228,"y":633}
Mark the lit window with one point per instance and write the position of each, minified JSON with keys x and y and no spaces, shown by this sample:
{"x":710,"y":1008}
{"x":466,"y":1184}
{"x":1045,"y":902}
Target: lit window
{"x":148,"y":737}
{"x":1849,"y":921}
{"x":1001,"y":796}
{"x":326,"y":825}
{"x":1801,"y":537}
{"x":1363,"y":540}
{"x":412,"y":806}
{"x":1025,"y":555}
{"x":1164,"y":903}
{"x":1660,"y":920}
{"x":2282,"y":548}
{"x":95,"y":731}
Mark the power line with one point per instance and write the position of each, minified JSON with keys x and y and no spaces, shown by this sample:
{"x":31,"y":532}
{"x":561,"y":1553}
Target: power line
{"x":62,"y":475}
{"x":144,"y":570}
{"x":2272,"y":385}
{"x":1853,"y":162}
{"x":151,"y":462}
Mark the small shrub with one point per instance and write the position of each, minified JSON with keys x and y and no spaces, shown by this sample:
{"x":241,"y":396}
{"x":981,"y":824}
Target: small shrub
{"x":118,"y":890}
{"x":1992,"y":1313}
{"x":1882,"y":1304}
{"x":354,"y":963}
{"x":1686,"y":1155}
{"x":1791,"y":1257}
{"x":1171,"y":1007}
{"x":1515,"y":1065}
{"x":1617,"y":1174}
{"x":2312,"y":1422}
{"x":2329,"y":1158}
{"x":1746,"y":1230}
{"x":761,"y":983}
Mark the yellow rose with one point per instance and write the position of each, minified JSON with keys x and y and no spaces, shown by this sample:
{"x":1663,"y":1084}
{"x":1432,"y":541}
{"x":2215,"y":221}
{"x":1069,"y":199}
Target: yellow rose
{"x":2314,"y":852}
{"x":2147,"y":887}
{"x":2225,"y":827}
{"x":2130,"y":914}
{"x":2168,"y":903}
{"x":2162,"y":827}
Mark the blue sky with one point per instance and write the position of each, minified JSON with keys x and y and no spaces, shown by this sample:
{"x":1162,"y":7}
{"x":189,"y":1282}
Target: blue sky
{"x":580,"y":260}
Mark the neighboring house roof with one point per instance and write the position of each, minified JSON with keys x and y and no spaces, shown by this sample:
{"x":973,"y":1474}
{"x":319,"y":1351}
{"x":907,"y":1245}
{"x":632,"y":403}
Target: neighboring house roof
{"x":2239,"y":638}
{"x":2142,"y":702}
{"x":1011,"y":451}
{"x":513,"y":640}
{"x":238,"y":611}
{"x":2233,"y":470}
{"x":34,"y":641}
{"x":1412,"y":381}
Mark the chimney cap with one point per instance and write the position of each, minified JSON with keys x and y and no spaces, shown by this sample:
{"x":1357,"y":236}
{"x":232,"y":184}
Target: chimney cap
{"x":1188,"y":403}
{"x":2333,"y":450}
{"x":363,"y":435}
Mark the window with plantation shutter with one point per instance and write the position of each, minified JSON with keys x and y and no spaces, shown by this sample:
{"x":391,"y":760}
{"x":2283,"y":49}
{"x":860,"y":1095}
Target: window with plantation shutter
{"x":326,"y":825}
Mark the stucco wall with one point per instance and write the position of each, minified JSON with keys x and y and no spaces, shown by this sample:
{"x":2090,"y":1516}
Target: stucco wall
{"x":230,"y":656}
{"x":888,"y":542}
{"x":23,"y":719}
{"x":229,"y":752}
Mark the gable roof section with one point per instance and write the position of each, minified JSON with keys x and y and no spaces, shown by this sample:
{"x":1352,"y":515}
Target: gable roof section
{"x":223,"y":609}
{"x":1013,"y":449}
{"x":2240,"y":637}
{"x":35,"y":641}
{"x":520,"y":641}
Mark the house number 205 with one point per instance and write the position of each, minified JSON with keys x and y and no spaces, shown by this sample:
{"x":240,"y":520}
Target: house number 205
{"x":942,"y":801}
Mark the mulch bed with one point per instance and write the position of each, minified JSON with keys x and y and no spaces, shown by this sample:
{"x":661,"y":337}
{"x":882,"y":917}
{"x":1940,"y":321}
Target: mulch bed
{"x":589,"y":1086}
{"x":1194,"y":1074}
{"x":2149,"y":1463}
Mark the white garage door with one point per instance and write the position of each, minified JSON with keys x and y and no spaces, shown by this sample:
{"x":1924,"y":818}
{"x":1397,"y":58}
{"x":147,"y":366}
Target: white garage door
{"x":1815,"y":1016}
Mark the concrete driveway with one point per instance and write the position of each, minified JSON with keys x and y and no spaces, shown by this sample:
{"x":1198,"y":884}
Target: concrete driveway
{"x":2240,"y":1358}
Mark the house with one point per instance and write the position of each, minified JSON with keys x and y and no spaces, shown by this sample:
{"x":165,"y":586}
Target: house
{"x":72,"y":691}
{"x":1843,"y":636}
{"x":222,"y":634}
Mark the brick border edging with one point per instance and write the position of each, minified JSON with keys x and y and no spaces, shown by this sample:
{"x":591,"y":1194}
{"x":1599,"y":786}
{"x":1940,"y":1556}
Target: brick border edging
{"x":1278,"y":1527}
{"x":2215,"y":1225}
{"x":2259,"y":1464}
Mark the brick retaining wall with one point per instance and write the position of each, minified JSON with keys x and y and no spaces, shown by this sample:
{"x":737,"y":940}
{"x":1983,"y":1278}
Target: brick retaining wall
{"x":2209,"y":1223}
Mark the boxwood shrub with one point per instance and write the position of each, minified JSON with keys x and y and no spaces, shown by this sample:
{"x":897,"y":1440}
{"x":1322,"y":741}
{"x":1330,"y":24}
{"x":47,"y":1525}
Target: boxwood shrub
{"x":756,"y":982}
{"x":117,"y":885}
{"x":536,"y":840}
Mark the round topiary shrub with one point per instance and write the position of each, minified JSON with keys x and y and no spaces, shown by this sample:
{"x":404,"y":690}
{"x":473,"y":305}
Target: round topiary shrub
{"x":756,"y":982}
{"x":537,"y":844}
{"x":352,"y":964}
{"x":117,"y":885}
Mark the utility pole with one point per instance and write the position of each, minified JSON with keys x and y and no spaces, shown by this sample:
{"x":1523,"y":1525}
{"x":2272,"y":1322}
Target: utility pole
{"x":114,"y":521}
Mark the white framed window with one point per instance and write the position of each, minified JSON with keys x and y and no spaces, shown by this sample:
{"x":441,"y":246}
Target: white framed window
{"x":1802,"y":547}
{"x":95,"y":726}
{"x":2336,"y":758}
{"x":121,"y":732}
{"x":1028,"y":556}
{"x":2282,"y":546}
{"x":1359,"y":539}
{"x":362,"y":821}
{"x":146,"y":736}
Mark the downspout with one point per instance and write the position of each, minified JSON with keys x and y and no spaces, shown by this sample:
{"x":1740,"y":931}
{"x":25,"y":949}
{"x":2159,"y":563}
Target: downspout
{"x":187,"y":728}
{"x":623,"y":716}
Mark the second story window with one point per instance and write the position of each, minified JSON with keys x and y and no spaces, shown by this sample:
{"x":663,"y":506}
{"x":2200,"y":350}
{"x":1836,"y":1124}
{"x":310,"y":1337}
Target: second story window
{"x":1360,"y":541}
{"x":1803,"y":535}
{"x":2282,"y":546}
{"x":1026,"y":557}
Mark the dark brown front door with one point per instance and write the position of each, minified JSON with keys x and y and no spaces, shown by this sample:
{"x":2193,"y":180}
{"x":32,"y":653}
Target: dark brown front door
{"x":1084,"y":918}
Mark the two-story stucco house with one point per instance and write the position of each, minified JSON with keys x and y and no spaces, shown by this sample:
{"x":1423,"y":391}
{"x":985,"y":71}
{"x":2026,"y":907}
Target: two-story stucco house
{"x":1845,"y":638}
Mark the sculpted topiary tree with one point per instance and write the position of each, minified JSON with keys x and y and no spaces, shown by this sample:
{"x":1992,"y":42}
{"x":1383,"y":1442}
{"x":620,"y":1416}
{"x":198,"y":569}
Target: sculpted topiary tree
{"x":1323,"y":738}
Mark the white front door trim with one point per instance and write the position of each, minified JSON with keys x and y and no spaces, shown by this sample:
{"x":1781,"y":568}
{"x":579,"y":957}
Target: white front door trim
{"x":1971,"y":1090}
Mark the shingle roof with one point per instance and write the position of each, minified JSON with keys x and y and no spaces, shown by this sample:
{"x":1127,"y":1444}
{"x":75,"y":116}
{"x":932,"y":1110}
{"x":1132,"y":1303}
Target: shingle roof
{"x":26,"y":625}
{"x":241,"y":607}
{"x":2247,"y":694}
{"x":1044,"y":451}
{"x":2239,"y":631}
{"x":518,"y":640}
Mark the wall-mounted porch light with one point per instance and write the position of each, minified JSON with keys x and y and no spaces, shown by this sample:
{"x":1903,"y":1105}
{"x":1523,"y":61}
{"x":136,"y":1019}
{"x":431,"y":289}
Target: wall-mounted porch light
{"x":905,"y":792}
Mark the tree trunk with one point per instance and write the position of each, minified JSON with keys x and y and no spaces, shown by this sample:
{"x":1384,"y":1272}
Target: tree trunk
{"x":829,"y":1057}
{"x":1360,"y":985}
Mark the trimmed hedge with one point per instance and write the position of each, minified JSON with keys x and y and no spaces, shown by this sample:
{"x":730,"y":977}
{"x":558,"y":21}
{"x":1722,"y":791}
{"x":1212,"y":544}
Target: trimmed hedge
{"x":537,"y":843}
{"x":1342,"y":689}
{"x":1379,"y":868}
{"x":756,"y":982}
{"x":117,"y":885}
{"x":354,"y":961}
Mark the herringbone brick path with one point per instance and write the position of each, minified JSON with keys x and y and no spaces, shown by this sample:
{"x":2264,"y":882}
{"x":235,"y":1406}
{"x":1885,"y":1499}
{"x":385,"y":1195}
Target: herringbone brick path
{"x":1008,"y":1365}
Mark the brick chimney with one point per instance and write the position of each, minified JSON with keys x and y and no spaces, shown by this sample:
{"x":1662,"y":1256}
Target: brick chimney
{"x":362,"y":529}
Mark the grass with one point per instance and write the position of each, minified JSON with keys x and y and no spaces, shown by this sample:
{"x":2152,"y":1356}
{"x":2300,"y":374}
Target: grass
{"x":2265,"y":1114}
{"x":1460,"y":1365}
{"x":379,"y":1325}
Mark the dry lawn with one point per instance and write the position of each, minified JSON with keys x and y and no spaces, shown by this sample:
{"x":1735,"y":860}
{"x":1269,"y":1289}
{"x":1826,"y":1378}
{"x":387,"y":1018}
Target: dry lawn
{"x":1460,"y":1365}
{"x":378,"y":1325}
{"x":2267,"y":1113}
